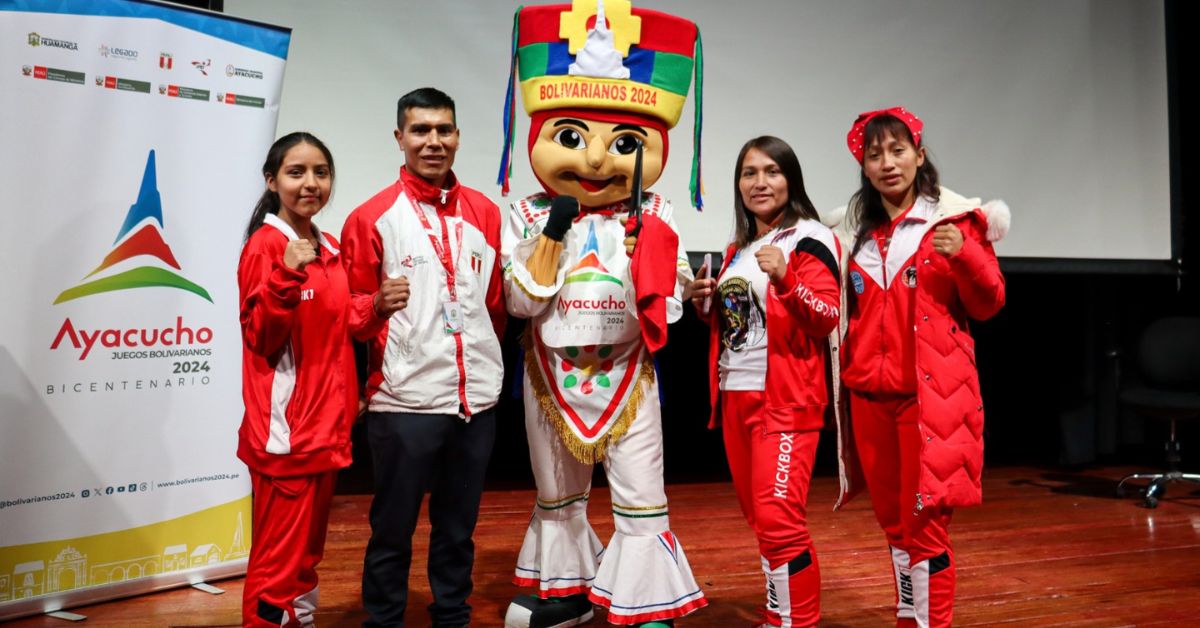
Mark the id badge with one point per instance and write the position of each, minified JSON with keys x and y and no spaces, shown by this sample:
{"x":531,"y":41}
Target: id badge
{"x":451,"y":317}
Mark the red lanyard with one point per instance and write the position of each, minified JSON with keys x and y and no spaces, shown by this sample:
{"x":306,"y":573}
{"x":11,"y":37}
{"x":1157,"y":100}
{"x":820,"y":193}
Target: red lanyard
{"x":442,"y":248}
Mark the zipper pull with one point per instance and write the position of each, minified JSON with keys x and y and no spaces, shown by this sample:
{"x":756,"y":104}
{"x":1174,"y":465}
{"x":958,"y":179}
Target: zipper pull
{"x":444,"y":197}
{"x":919,"y":507}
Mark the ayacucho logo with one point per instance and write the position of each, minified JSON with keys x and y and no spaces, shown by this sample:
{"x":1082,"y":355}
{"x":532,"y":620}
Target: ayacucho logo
{"x":589,"y":267}
{"x":140,"y":237}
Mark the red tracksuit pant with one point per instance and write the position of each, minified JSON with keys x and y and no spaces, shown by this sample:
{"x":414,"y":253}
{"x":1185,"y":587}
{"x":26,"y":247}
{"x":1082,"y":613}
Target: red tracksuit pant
{"x":889,"y":445}
{"x":771,"y":473}
{"x":290,"y":519}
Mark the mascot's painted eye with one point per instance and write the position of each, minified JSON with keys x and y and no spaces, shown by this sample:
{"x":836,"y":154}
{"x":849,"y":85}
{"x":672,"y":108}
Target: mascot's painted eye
{"x":570,"y":138}
{"x":624,"y":145}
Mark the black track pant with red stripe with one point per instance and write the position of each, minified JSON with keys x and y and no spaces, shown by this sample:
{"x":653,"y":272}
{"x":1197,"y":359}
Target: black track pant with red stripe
{"x":289,"y":522}
{"x":771,"y":473}
{"x":889,"y":445}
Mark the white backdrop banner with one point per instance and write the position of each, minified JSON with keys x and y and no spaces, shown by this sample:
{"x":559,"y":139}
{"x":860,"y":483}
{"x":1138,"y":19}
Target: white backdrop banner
{"x":133,"y":133}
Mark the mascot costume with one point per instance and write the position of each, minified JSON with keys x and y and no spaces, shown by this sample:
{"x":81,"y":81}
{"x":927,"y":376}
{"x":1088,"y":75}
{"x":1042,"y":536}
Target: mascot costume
{"x":595,"y":265}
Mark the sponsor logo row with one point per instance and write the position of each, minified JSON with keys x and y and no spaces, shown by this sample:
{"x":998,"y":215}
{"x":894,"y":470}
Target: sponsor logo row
{"x":166,"y":60}
{"x":133,"y":85}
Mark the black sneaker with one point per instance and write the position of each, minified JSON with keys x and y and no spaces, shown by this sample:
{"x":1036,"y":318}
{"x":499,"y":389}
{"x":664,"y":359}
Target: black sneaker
{"x":530,"y":611}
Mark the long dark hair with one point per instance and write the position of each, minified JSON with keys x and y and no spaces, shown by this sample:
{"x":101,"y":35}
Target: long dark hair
{"x":866,"y":206}
{"x":268,"y":203}
{"x":798,"y":205}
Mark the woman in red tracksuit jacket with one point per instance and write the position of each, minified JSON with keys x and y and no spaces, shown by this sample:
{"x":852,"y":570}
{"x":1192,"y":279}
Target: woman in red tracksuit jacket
{"x":298,"y":380}
{"x":921,"y":263}
{"x":776,"y":303}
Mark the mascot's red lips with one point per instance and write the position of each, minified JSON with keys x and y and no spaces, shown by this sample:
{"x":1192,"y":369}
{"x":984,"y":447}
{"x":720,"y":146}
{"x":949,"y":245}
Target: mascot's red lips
{"x":591,"y":185}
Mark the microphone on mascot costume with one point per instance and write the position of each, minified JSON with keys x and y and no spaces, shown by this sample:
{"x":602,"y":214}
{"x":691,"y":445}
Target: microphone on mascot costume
{"x":543,"y":263}
{"x":563,"y":210}
{"x":635,"y":198}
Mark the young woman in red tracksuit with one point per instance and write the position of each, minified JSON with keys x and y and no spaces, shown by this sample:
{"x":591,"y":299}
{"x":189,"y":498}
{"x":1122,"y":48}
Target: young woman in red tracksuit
{"x":773,"y":306}
{"x":298,"y":380}
{"x":921,"y":263}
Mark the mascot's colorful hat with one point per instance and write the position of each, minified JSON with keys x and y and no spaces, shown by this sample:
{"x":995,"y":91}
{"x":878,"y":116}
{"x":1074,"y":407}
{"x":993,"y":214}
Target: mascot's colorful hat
{"x":607,"y":55}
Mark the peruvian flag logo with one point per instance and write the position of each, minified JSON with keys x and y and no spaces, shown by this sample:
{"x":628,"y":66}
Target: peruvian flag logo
{"x":477,"y":263}
{"x":165,"y":60}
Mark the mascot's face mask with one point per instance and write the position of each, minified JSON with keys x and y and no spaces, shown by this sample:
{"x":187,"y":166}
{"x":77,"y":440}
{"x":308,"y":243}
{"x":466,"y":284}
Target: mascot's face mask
{"x":596,"y":77}
{"x":593,"y":160}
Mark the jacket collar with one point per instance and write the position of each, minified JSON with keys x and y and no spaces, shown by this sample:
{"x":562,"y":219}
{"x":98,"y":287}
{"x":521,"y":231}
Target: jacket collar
{"x":278,"y":223}
{"x":423,"y":191}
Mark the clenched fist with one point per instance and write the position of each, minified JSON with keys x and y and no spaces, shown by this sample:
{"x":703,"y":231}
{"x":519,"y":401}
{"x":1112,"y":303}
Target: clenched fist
{"x":947,"y":240}
{"x":392,"y":296}
{"x":771,"y":261}
{"x":298,"y":254}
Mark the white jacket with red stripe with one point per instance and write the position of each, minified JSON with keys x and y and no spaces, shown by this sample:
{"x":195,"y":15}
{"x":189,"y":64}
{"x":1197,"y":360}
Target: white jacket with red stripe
{"x":298,"y":381}
{"x":414,"y":365}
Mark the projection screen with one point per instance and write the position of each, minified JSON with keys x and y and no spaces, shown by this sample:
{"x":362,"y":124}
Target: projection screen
{"x":1059,"y":108}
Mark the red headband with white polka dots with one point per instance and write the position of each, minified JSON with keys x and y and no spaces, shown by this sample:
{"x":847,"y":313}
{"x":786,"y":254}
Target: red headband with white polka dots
{"x":854,"y":139}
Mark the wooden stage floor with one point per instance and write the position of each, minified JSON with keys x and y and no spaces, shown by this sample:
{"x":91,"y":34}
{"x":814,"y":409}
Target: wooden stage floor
{"x":1049,"y":548}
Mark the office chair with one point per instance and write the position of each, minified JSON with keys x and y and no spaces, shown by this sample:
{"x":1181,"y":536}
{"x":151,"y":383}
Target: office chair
{"x":1169,"y":361}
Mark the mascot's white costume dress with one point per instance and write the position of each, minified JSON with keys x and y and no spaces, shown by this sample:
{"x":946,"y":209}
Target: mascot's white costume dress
{"x":600,"y":80}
